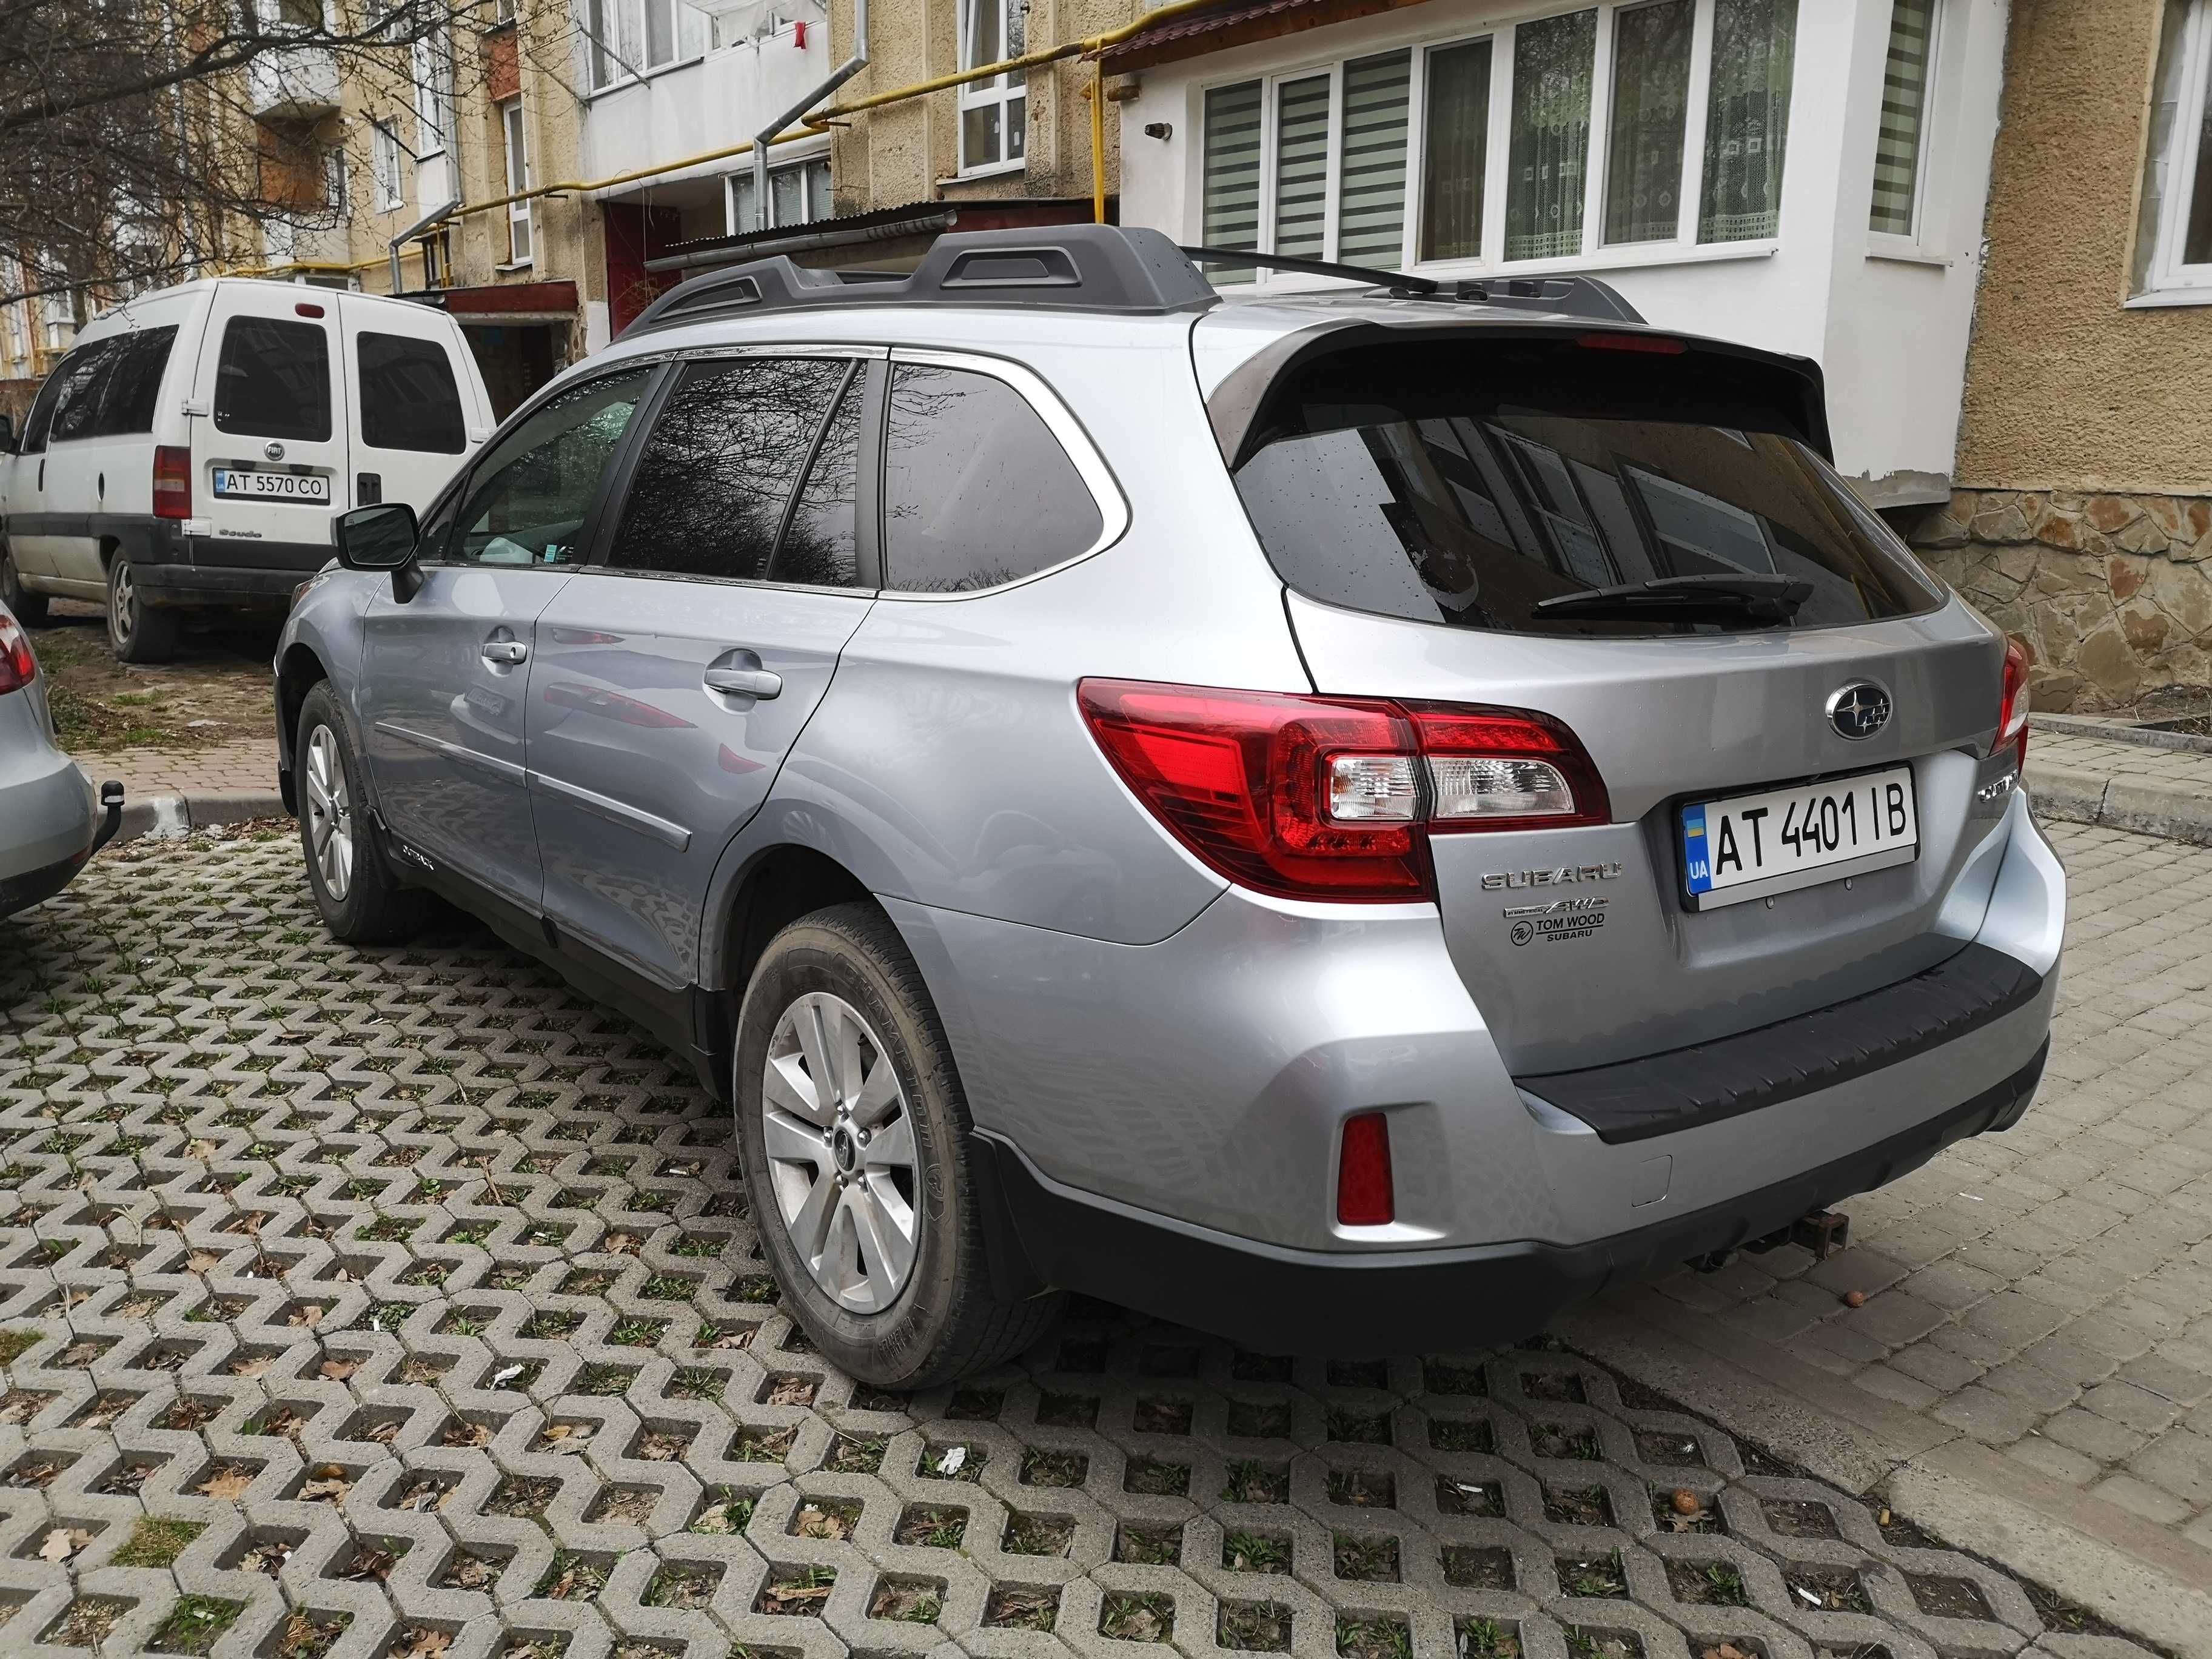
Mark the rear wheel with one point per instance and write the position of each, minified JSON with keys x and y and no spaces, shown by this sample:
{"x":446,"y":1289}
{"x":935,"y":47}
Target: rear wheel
{"x":138,"y":632}
{"x":30,"y":608}
{"x":359,"y":902}
{"x":852,"y":1130}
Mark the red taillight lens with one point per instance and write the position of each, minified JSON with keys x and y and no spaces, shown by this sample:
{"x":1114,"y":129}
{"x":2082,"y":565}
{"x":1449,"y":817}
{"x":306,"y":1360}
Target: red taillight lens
{"x":1364,"y":1197}
{"x":2012,"y":712}
{"x":1334,"y":798}
{"x":173,"y":482}
{"x":18,"y":667}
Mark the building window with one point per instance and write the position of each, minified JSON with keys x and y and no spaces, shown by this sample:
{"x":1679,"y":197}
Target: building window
{"x":1900,"y":154}
{"x":1390,"y":157}
{"x":431,"y":60}
{"x":517,"y":179}
{"x":385,"y":166}
{"x":993,"y":113}
{"x":797,"y":194}
{"x":2174,"y":253}
{"x":628,"y":39}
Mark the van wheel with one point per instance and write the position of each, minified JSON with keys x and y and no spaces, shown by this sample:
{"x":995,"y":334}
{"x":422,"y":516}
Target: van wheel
{"x":30,"y":608}
{"x":138,"y":632}
{"x":852,"y":1133}
{"x":360,"y":901}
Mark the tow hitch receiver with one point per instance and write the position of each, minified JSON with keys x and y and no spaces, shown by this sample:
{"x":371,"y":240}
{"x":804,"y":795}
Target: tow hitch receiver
{"x":1823,"y":1232}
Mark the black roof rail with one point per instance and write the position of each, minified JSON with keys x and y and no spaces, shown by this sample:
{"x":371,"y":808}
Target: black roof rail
{"x":1108,"y":268}
{"x":1564,"y":296}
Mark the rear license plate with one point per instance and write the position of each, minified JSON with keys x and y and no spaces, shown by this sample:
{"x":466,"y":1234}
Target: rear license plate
{"x":1749,"y":846}
{"x":235,"y":481}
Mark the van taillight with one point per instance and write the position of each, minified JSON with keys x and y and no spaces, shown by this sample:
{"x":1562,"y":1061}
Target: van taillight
{"x":18,"y":667}
{"x":2012,"y":711}
{"x":173,"y":482}
{"x":1335,"y":798}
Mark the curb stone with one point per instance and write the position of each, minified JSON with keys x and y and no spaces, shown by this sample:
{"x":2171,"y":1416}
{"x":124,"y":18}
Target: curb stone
{"x":2121,"y":803}
{"x":179,"y":814}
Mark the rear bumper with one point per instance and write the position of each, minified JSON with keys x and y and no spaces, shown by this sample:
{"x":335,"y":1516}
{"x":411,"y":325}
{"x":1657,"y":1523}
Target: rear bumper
{"x":1284,"y":1301}
{"x":173,"y":568}
{"x":48,"y":817}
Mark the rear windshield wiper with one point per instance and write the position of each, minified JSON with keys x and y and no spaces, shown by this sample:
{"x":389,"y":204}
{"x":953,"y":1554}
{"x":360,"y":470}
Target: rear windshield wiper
{"x":1750,"y":595}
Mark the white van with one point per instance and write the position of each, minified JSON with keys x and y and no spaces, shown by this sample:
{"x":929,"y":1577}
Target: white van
{"x":195,"y":444}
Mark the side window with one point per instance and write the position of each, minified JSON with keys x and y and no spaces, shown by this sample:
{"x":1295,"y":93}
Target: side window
{"x":714,"y":479}
{"x":817,"y":549}
{"x":273,"y":379}
{"x":977,"y":489}
{"x":134,"y":386}
{"x":409,"y":398}
{"x":40,"y":421}
{"x":528,"y":499}
{"x":84,"y":382}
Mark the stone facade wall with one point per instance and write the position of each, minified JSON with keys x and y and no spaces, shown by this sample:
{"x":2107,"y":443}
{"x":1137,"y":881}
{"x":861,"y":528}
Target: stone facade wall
{"x":2111,"y":593}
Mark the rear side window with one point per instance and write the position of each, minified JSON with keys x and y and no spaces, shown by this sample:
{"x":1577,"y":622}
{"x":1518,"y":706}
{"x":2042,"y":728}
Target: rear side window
{"x":41,"y":421}
{"x":83,"y":377}
{"x":1466,"y":485}
{"x":409,"y":398}
{"x":714,"y":484}
{"x":134,"y":381}
{"x":273,"y":379}
{"x":977,"y":489}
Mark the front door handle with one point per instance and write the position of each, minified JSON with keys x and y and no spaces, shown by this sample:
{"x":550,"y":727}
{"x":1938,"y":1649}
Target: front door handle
{"x":508,"y":652}
{"x":744,"y":681}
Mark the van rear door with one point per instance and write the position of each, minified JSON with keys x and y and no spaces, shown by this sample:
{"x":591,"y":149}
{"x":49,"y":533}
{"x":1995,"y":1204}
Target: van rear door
{"x":412,"y":403}
{"x":269,"y":454}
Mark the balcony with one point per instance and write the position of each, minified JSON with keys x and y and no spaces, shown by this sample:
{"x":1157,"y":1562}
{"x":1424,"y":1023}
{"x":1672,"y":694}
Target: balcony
{"x":299,"y":83}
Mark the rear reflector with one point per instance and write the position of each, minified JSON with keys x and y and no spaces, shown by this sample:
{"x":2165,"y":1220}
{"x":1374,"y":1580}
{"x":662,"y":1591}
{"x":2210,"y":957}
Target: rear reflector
{"x":1658,"y":345}
{"x":18,"y":667}
{"x":1335,"y":798}
{"x":173,"y":482}
{"x":1363,"y":1193}
{"x":2012,"y":709}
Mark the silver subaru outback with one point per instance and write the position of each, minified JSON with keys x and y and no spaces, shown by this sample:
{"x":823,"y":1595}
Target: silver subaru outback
{"x":1349,"y":820}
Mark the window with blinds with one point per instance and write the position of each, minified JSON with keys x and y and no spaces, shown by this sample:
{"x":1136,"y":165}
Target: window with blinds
{"x":1388,"y":158}
{"x":1897,"y":151}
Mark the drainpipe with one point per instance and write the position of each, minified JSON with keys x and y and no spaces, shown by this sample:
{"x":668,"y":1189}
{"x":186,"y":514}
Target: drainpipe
{"x":436,"y":215}
{"x":767,"y":136}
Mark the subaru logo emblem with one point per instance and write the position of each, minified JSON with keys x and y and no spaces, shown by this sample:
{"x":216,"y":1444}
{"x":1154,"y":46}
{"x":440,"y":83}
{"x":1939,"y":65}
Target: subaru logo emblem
{"x":274,"y":452}
{"x":1859,"y":709}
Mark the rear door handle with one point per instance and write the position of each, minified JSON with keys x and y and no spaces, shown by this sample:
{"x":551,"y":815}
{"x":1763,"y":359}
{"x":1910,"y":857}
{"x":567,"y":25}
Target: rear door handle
{"x":744,"y":681}
{"x":509,"y":651}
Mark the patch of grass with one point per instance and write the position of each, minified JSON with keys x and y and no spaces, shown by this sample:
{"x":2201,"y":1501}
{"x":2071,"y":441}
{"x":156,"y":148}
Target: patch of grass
{"x":1147,"y":1475}
{"x":1371,"y":1560}
{"x":1251,"y":1482}
{"x":932,"y":1528}
{"x":1038,"y":1535}
{"x":1148,"y":1618}
{"x":1019,"y":1606}
{"x":1149,"y":1546}
{"x":855,"y":1454}
{"x":1486,"y":1638}
{"x":1373,"y":1638}
{"x":1255,"y":1551}
{"x":196,"y":1625}
{"x":15,"y":1344}
{"x":1254,"y":1627}
{"x":1600,"y":1577}
{"x":1708,"y":1583}
{"x":1040,"y":1468}
{"x":155,"y":1543}
{"x":913,"y":1601}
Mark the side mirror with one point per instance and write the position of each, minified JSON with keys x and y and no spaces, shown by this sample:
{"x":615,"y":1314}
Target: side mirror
{"x":381,"y":537}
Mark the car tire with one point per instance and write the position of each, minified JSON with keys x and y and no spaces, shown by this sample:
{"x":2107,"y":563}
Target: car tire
{"x":361,"y":901}
{"x":29,"y":608}
{"x":136,"y":631}
{"x":943,"y":1319}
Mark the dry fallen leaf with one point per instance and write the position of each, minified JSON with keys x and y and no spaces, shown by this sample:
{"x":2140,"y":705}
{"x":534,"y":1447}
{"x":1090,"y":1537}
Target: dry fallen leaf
{"x":63,"y":1542}
{"x":421,"y":1645}
{"x":623,"y":1243}
{"x":315,"y":1492}
{"x":310,"y":1315}
{"x":336,"y":1370}
{"x":252,"y":1364}
{"x":229,"y":1483}
{"x":201,"y":1260}
{"x":200,"y":1149}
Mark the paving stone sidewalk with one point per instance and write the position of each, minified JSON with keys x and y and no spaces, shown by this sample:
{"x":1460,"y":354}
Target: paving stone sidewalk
{"x":402,"y":1303}
{"x":2083,"y":778}
{"x":174,"y":789}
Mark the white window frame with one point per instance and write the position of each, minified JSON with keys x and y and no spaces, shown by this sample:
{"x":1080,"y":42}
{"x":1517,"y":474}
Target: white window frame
{"x":387,"y":165}
{"x":615,"y":50}
{"x":2168,"y":280}
{"x":430,"y":61}
{"x":733,"y":217}
{"x":1009,"y":92}
{"x":1595,"y":253}
{"x":515,"y":147}
{"x":1920,"y":239}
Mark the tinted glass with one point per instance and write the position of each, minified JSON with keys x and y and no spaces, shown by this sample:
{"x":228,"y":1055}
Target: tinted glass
{"x":977,"y":489}
{"x":529,"y":499}
{"x":83,"y":376}
{"x":818,"y":547}
{"x":134,"y":381}
{"x":708,"y":495}
{"x":409,"y":400}
{"x":1464,"y":484}
{"x":273,"y":379}
{"x":40,"y":420}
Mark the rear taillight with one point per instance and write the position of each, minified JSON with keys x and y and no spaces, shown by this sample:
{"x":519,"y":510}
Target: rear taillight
{"x":18,"y":667}
{"x":2012,"y":712}
{"x":173,"y":482}
{"x":1334,"y":798}
{"x":1364,"y":1196}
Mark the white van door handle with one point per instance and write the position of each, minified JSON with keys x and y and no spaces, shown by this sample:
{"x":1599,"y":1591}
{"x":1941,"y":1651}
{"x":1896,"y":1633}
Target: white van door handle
{"x":509,"y":651}
{"x":744,"y":681}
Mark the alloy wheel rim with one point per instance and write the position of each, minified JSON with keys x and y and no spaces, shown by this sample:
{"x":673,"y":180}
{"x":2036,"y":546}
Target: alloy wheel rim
{"x":123,"y":602}
{"x":329,"y":814}
{"x":839,"y":1136}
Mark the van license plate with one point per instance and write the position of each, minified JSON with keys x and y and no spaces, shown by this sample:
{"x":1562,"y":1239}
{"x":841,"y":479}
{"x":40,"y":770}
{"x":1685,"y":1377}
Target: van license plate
{"x":1749,"y":846}
{"x":235,"y":481}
